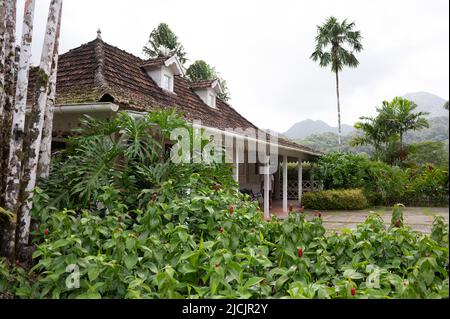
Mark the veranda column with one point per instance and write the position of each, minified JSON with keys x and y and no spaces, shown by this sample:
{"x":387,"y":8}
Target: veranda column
{"x":236,"y":165}
{"x":266,"y":190}
{"x":285,"y":183}
{"x":300,"y":180}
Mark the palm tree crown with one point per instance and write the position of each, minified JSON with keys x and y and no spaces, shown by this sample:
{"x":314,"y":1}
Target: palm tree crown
{"x":336,"y":43}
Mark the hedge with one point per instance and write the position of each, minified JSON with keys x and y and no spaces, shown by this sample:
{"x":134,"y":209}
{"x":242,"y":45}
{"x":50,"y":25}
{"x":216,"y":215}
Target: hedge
{"x":351,"y":199}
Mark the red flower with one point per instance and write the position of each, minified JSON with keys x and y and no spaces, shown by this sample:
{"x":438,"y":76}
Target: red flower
{"x":398,"y":223}
{"x":291,"y":208}
{"x":46,"y":232}
{"x":221,"y":230}
{"x":353,"y":291}
{"x":17,"y":263}
{"x":231,"y":210}
{"x":216,"y":265}
{"x":300,"y":252}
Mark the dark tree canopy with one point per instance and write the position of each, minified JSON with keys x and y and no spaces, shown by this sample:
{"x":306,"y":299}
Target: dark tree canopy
{"x":163,"y":41}
{"x":201,"y":71}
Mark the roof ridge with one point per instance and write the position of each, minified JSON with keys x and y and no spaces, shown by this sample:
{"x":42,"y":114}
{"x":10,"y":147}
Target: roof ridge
{"x":99,"y":58}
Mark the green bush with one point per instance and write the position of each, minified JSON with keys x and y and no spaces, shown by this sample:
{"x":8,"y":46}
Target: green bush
{"x":335,"y":199}
{"x":383,"y":184}
{"x":428,"y":186}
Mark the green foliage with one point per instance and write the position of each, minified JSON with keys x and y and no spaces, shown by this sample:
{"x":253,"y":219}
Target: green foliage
{"x":397,"y":216}
{"x":336,"y":43}
{"x":428,"y":185}
{"x":383,"y":184}
{"x":202,"y":71}
{"x":430,"y":152}
{"x":159,"y":253}
{"x":385,"y":132}
{"x":162,"y":42}
{"x":342,"y":199}
{"x":159,"y":230}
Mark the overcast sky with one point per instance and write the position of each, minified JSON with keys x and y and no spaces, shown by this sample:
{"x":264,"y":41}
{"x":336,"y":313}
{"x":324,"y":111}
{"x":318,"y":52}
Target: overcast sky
{"x":262,"y":48}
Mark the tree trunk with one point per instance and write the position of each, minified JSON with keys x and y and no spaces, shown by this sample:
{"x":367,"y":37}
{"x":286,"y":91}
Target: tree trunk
{"x":15,"y":157}
{"x":8,"y":226}
{"x":339,"y":110}
{"x":45,"y":152}
{"x":34,"y":133}
{"x":2,"y":58}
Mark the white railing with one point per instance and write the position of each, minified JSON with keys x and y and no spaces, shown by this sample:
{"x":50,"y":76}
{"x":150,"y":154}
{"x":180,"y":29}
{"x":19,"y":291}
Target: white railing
{"x":308,"y":186}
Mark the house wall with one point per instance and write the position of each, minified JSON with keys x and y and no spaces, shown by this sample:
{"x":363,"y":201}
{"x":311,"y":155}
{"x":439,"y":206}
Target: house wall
{"x":249,"y":177}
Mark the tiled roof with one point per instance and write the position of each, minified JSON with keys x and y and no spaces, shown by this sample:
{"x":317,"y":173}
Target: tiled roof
{"x":97,"y":71}
{"x":159,"y":61}
{"x":201,"y":84}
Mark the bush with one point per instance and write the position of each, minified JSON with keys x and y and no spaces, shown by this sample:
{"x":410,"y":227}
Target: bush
{"x":384,"y":184}
{"x":335,"y":199}
{"x":428,"y":186}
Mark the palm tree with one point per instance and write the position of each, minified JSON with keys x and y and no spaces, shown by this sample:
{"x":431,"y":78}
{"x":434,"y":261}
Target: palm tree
{"x":336,"y":43}
{"x":403,"y":118}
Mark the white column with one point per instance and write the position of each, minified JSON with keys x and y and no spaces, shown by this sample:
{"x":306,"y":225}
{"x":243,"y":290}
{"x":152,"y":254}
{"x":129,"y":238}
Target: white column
{"x":300,"y":181}
{"x":236,"y":165}
{"x":266,"y":191}
{"x":285,"y":183}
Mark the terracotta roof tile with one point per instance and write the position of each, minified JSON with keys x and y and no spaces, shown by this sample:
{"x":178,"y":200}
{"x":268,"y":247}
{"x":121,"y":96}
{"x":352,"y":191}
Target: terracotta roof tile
{"x":96,"y":69}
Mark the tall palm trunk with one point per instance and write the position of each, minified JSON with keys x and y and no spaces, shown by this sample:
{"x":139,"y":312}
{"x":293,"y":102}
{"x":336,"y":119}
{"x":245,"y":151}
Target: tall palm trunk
{"x":45,"y":152}
{"x":18,"y":122}
{"x":338,"y":109}
{"x":8,"y":227}
{"x":34,"y":133}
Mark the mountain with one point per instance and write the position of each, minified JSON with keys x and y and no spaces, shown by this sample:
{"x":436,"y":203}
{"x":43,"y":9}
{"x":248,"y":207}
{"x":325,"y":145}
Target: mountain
{"x":309,"y":127}
{"x":428,"y":102}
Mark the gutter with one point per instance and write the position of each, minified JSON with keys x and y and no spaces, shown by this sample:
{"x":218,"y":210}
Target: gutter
{"x":85,"y":108}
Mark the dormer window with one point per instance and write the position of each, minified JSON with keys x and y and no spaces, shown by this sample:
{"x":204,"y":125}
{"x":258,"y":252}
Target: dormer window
{"x":167,"y":82}
{"x":212,"y":100}
{"x":163,"y":70}
{"x":207,"y":91}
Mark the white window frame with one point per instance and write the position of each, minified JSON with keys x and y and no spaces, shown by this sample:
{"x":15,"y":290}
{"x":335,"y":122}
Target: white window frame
{"x":169,"y":82}
{"x":211,"y":99}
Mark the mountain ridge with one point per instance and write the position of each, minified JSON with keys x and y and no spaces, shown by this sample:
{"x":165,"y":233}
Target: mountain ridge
{"x":426,"y":102}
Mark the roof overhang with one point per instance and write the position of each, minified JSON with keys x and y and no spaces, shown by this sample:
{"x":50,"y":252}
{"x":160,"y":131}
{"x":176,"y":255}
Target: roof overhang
{"x":175,"y":64}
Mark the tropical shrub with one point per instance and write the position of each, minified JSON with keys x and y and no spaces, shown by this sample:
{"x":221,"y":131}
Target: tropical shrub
{"x":427,"y":185}
{"x":335,"y":199}
{"x":383,"y":184}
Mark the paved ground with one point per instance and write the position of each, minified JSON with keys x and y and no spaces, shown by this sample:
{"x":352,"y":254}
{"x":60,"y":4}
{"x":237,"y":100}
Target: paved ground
{"x":418,"y":218}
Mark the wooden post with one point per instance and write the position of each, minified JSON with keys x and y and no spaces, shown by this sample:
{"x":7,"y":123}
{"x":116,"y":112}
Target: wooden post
{"x":285,"y":183}
{"x":300,"y":181}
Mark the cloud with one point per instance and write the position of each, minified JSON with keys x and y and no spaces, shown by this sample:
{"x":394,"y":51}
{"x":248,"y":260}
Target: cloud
{"x":262,"y":48}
